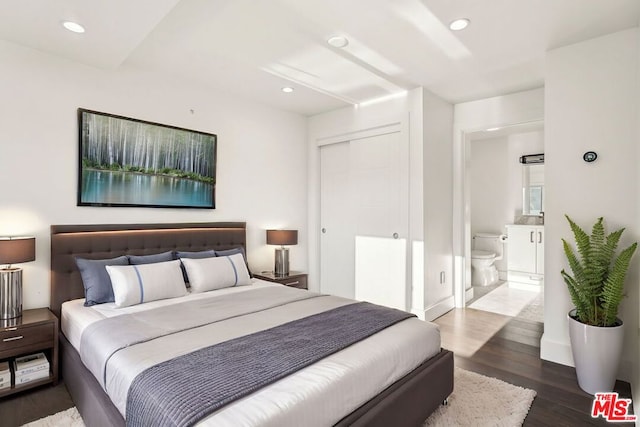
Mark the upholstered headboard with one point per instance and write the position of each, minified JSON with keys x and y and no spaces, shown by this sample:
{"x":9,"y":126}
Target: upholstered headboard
{"x":111,"y":240}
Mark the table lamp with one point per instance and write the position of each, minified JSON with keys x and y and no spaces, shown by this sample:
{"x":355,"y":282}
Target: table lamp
{"x":282,"y":238}
{"x":13,"y":250}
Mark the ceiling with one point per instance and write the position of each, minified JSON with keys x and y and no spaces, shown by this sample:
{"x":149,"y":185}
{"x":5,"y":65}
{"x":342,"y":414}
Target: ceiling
{"x":253,"y":48}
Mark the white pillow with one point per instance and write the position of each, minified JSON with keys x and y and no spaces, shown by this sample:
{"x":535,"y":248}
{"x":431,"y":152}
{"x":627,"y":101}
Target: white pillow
{"x":135,"y":284}
{"x":207,"y":274}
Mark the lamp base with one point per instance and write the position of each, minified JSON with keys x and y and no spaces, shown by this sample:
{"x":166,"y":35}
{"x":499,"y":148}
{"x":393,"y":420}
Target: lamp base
{"x":10,"y":293}
{"x":282,"y":262}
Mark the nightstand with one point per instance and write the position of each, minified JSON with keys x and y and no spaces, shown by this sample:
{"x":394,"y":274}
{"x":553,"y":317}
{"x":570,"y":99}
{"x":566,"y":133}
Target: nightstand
{"x":36,"y":331}
{"x":295,"y":279}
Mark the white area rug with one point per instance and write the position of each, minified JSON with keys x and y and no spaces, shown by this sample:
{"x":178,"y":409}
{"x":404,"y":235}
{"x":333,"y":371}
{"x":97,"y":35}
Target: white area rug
{"x":535,"y":310}
{"x":481,"y":401}
{"x":476,"y":401}
{"x":506,"y":300}
{"x":68,"y":418}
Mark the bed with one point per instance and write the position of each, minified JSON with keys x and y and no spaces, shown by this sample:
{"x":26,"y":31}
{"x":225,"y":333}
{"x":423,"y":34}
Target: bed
{"x":402,"y":399}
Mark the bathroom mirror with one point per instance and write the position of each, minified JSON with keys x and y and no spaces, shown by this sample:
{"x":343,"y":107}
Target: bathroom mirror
{"x":532,"y":189}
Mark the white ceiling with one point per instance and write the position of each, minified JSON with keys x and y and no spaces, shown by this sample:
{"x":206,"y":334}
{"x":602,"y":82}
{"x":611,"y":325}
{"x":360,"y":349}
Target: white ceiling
{"x":253,"y":48}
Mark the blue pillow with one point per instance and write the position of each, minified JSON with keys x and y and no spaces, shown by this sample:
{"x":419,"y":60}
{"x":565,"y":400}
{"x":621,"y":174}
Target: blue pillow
{"x":229,"y":252}
{"x":150,"y":259}
{"x":196,"y":255}
{"x":193,"y":255}
{"x":95,"y":279}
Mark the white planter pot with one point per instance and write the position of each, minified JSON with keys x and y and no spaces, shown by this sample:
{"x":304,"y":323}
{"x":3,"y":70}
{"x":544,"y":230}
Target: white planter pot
{"x":596,"y":354}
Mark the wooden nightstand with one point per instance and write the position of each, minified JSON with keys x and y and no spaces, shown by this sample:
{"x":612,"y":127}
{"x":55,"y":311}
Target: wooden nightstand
{"x":36,"y":331}
{"x":295,"y":279}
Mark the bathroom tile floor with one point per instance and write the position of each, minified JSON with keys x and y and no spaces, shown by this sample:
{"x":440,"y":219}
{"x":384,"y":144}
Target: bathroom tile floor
{"x":480,"y":291}
{"x":510,"y":300}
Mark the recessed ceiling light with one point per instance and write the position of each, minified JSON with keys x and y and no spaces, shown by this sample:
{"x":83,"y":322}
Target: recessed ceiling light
{"x":459,"y":24}
{"x":492,"y":129}
{"x":338,"y":41}
{"x":287,"y":89}
{"x":73,"y":26}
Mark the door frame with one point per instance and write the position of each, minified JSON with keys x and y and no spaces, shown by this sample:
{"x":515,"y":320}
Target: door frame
{"x":462,"y":207}
{"x":516,"y":108}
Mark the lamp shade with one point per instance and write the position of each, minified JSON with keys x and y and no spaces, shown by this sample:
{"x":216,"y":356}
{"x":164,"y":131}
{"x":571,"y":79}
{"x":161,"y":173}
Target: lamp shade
{"x":14,"y":250}
{"x":282,"y":237}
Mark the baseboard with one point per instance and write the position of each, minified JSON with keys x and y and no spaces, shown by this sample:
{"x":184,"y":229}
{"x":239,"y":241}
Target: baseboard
{"x":468,"y":294}
{"x":554,"y":351}
{"x":436,"y":310}
{"x":528,"y":278}
{"x":525,"y":286}
{"x":418,"y":312}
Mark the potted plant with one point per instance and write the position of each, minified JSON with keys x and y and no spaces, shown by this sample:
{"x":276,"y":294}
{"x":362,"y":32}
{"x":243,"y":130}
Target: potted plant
{"x":596,"y":288}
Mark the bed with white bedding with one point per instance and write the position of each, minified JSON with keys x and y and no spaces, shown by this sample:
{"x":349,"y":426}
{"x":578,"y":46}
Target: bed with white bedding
{"x":399,"y":373}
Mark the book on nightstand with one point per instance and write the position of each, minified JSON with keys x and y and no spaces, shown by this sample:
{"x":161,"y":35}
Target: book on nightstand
{"x":5,"y":375}
{"x":30,"y":368}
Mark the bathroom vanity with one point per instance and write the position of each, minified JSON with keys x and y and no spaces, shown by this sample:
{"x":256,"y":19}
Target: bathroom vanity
{"x":525,"y":253}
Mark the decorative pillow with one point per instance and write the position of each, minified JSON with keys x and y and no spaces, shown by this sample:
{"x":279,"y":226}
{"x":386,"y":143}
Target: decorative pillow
{"x":227,"y":252}
{"x":238,"y":250}
{"x":196,"y":255}
{"x":95,"y":279}
{"x":207,"y":274}
{"x":193,"y":255}
{"x":149,"y":259}
{"x":135,"y":284}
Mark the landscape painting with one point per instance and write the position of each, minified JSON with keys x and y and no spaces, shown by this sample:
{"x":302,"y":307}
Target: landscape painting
{"x":129,"y":162}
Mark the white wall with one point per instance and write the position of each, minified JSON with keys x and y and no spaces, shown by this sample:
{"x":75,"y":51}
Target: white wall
{"x":426,"y":122}
{"x":262,"y":154}
{"x":490,"y":179}
{"x":495,"y":181}
{"x":500,"y":111}
{"x":591,"y":103}
{"x":438,"y":205}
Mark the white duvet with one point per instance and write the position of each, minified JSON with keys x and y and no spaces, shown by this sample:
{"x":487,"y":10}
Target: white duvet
{"x":318,"y":395}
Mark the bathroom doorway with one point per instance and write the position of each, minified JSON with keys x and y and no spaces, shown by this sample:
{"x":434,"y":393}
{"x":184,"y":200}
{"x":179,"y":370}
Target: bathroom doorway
{"x":500,"y":190}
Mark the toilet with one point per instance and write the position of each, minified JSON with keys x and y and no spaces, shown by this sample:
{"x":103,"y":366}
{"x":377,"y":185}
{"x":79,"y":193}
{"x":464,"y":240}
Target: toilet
{"x":487,"y":248}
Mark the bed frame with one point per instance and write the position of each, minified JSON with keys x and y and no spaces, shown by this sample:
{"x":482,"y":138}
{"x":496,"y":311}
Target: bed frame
{"x":407,"y":402}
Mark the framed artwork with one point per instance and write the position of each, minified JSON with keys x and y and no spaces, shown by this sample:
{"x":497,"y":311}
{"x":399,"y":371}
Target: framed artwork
{"x":130,"y":162}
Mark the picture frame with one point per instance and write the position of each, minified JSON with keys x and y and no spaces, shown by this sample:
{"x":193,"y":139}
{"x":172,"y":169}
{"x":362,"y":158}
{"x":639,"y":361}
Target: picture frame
{"x":126,"y":162}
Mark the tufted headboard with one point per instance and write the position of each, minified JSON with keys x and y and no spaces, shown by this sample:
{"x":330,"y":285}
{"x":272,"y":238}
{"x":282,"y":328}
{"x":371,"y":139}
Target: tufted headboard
{"x":112,"y":240}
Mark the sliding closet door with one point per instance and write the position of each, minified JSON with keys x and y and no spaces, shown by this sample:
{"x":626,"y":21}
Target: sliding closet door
{"x":381,"y":220}
{"x":364,"y":190}
{"x":336,"y":213}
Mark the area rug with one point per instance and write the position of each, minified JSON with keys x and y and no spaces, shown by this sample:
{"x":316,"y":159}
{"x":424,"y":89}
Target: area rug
{"x":482,"y":401}
{"x":534,"y":311}
{"x":477,"y":401}
{"x":506,"y":300}
{"x":68,"y":418}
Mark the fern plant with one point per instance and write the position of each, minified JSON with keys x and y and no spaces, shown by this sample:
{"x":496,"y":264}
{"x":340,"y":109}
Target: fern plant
{"x":597,"y":284}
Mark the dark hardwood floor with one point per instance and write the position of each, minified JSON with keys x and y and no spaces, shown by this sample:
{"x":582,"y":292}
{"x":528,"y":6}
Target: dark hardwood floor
{"x":22,"y":408}
{"x":490,"y":344}
{"x":509,"y":349}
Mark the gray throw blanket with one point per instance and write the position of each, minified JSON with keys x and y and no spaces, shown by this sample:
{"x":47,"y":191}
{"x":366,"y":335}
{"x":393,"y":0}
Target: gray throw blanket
{"x":185,"y":390}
